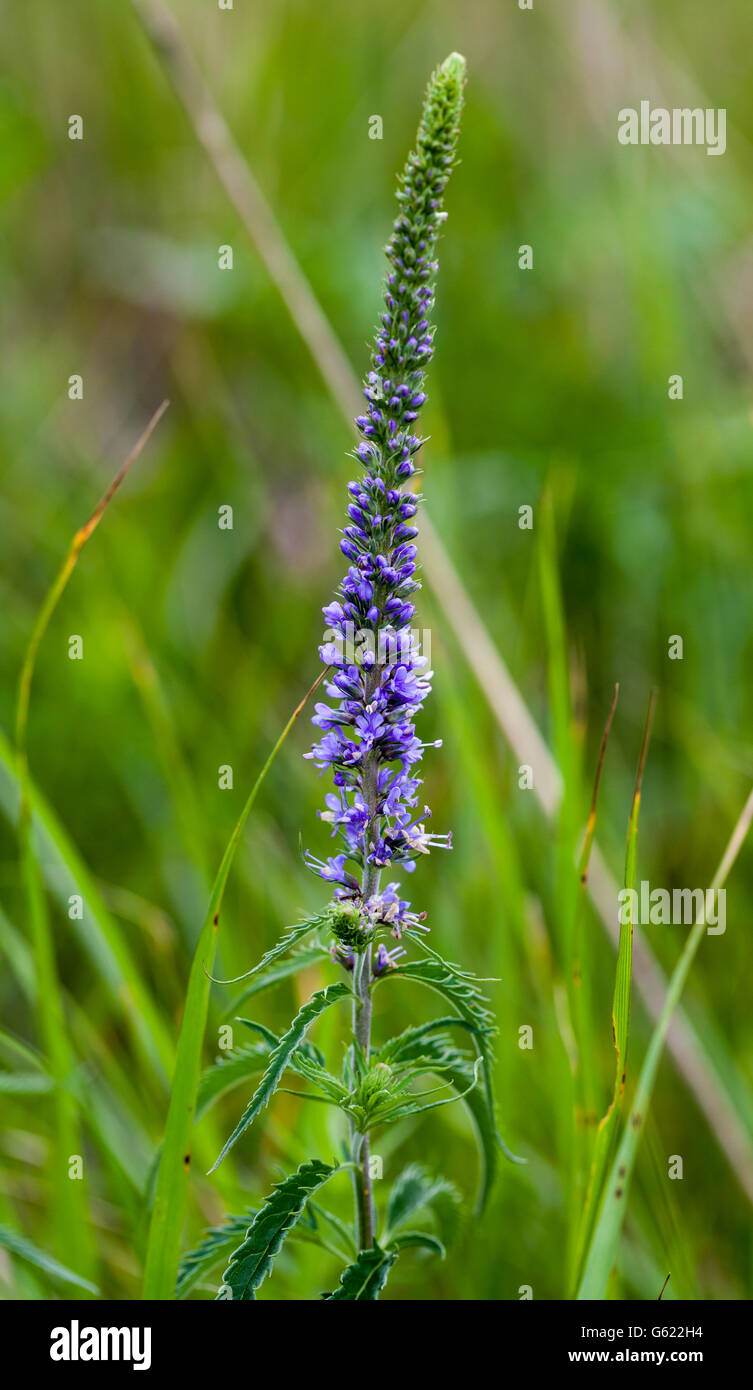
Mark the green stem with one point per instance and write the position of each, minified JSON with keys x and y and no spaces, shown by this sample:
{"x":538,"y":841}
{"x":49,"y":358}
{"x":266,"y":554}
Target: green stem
{"x":362,"y":1009}
{"x":364,"y":1194}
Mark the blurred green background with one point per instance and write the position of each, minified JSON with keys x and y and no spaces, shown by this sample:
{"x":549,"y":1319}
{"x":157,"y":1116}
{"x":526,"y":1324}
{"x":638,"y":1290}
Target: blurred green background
{"x":199,"y":642}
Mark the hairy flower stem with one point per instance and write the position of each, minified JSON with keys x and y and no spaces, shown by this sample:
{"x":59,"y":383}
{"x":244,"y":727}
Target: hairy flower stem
{"x":362,"y":1034}
{"x":362,"y":1009}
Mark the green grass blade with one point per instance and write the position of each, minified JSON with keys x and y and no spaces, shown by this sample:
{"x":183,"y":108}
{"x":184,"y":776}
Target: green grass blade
{"x":60,"y":581}
{"x":23,"y":1248}
{"x":603,"y":1246}
{"x":607,"y":1130}
{"x":185,"y":801}
{"x":585,"y":1085}
{"x":113,"y":1106}
{"x":16,"y":1047}
{"x":98,"y":933}
{"x":566,"y":735}
{"x":69,"y":1199}
{"x":580,"y":992}
{"x":163,"y":1248}
{"x":25,"y":1083}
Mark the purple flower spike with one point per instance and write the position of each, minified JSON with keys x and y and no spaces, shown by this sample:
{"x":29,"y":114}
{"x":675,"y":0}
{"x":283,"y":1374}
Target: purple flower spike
{"x":369,"y":737}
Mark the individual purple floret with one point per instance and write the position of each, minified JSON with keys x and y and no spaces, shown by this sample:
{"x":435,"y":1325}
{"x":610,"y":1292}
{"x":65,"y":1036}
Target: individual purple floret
{"x":386,"y":960}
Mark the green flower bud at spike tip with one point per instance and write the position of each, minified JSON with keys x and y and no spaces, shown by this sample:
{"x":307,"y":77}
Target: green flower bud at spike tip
{"x":454,"y":68}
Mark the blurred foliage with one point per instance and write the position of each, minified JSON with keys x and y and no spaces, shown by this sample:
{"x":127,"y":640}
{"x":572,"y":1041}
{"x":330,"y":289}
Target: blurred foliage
{"x":199,"y":642}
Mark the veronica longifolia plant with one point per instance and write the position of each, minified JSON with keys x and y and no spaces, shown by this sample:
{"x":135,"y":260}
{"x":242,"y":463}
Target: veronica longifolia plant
{"x":377,"y":682}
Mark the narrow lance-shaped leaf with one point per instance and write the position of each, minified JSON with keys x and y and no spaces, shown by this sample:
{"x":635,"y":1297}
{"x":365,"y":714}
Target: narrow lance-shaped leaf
{"x":408,"y":1044}
{"x":282,"y":1210}
{"x":217,"y":1245}
{"x":280,"y":1057}
{"x":252,"y":1060}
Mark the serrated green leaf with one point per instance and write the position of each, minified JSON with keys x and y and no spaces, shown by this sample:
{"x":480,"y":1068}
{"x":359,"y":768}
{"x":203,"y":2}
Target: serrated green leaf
{"x":252,"y":1261}
{"x":280,"y":1057}
{"x":413,"y":1189}
{"x":364,"y":1280}
{"x":319,"y":1076}
{"x":217,"y":1245}
{"x":407,"y":1045}
{"x":460,"y":990}
{"x":456,"y":970}
{"x":393,"y":1104}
